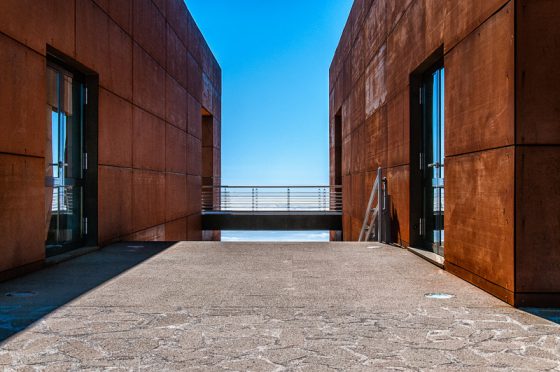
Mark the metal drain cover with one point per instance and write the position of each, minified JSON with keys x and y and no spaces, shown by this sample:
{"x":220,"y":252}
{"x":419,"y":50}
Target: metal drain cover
{"x":439,"y":296}
{"x":21,"y":294}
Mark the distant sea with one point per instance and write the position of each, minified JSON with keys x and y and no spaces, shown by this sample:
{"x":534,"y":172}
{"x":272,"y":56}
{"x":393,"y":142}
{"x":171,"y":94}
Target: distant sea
{"x":275,"y":236}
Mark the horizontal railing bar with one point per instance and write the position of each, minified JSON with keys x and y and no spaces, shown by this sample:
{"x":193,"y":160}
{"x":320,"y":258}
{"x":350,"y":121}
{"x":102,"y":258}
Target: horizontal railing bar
{"x":271,"y":187}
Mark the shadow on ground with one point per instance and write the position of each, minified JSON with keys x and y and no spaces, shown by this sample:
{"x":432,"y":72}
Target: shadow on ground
{"x":27,"y":299}
{"x":552,"y":314}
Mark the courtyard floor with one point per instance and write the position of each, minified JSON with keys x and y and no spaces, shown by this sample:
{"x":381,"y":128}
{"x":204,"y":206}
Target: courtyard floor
{"x":262,"y":307}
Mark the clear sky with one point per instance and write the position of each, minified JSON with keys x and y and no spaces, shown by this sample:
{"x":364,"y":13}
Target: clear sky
{"x":275,"y":57}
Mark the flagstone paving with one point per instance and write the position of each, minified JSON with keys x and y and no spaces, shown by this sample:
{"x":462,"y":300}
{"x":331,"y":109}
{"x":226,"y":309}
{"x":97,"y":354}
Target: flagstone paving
{"x":265,"y":307}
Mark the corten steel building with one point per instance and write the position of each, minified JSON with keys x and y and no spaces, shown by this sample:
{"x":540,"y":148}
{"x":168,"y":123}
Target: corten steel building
{"x":110,"y":124}
{"x":459,"y":103}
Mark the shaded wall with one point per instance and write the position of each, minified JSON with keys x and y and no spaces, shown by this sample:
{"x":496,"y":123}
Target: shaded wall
{"x":155,"y":74}
{"x":502,"y":117}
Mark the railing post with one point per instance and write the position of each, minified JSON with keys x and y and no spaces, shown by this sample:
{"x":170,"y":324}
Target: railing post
{"x":253,"y":199}
{"x":288,"y":198}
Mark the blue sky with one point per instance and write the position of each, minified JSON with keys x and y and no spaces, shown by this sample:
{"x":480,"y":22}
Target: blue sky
{"x":275,"y":57}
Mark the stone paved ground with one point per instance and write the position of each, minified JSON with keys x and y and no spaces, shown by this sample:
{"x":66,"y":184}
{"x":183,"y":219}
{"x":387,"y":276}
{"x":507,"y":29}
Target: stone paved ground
{"x":275,"y":307}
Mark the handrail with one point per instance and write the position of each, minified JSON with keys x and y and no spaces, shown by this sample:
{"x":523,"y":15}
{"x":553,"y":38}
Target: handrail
{"x":326,"y":198}
{"x":273,"y":187}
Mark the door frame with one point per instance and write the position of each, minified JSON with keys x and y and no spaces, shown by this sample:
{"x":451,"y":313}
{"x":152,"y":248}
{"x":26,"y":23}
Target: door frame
{"x":90,"y":80}
{"x":416,"y":172}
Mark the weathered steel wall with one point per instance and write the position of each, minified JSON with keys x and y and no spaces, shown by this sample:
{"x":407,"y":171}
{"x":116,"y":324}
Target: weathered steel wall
{"x":502,"y":121}
{"x":155,"y":72}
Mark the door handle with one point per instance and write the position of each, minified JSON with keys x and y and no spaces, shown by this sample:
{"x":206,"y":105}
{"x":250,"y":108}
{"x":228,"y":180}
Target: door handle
{"x":434,"y":165}
{"x":59,"y":164}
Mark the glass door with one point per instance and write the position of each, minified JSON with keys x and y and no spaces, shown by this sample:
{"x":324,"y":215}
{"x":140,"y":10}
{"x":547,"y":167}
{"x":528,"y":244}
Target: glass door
{"x":433,"y":168}
{"x":65,"y":227}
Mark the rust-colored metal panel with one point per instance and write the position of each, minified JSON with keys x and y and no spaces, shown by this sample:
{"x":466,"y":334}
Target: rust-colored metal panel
{"x":92,"y":43}
{"x":463,"y":17}
{"x":22,"y":197}
{"x":346,"y":207}
{"x":358,"y":162}
{"x":149,"y":29}
{"x":194,"y":200}
{"x":479,"y":214}
{"x":115,"y":130}
{"x":479,"y":88}
{"x":194,"y":117}
{"x":22,"y":99}
{"x":175,"y":196}
{"x":115,"y":203}
{"x":398,"y":187}
{"x":398,"y":129}
{"x":148,"y":199}
{"x":162,"y":6}
{"x":537,"y":74}
{"x":395,"y":10}
{"x":357,"y":58}
{"x":178,"y":19}
{"x":117,"y":74}
{"x":119,"y":11}
{"x":435,"y":12}
{"x":194,"y":227}
{"x":176,"y":57}
{"x":207,"y":162}
{"x":194,"y":156}
{"x":375,"y":84}
{"x":357,"y":196}
{"x":356,"y":18}
{"x":148,"y":147}
{"x":537,"y":219}
{"x":347,"y":156}
{"x":149,"y":83}
{"x":406,"y":48}
{"x":207,"y":94}
{"x":217,"y":134}
{"x":358,"y":104}
{"x":156,"y":233}
{"x":38,"y":23}
{"x":376,"y":139}
{"x":375,"y":29}
{"x":176,"y":230}
{"x":175,"y":150}
{"x":195,"y":38}
{"x":176,"y":101}
{"x":104,"y":47}
{"x":194,"y":77}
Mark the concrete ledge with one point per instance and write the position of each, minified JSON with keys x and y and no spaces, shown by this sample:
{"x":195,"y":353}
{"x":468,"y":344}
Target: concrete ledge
{"x":69,"y":255}
{"x":433,"y":258}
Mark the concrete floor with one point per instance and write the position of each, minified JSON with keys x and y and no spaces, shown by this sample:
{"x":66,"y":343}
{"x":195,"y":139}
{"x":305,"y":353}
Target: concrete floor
{"x":264,"y":307}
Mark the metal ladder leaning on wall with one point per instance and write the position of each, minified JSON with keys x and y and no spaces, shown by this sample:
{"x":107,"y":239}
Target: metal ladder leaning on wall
{"x":374,"y":215}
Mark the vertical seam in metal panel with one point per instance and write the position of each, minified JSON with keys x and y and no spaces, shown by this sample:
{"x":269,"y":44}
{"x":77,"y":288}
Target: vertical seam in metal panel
{"x":515,"y":149}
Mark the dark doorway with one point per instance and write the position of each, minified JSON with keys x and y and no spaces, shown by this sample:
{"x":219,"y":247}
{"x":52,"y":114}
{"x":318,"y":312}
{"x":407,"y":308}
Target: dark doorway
{"x":427,"y":185}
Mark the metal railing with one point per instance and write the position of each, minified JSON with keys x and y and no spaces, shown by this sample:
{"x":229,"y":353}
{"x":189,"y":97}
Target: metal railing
{"x":272,"y":198}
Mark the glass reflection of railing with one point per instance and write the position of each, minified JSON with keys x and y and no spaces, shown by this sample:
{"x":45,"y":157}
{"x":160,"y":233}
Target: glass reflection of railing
{"x":63,"y":199}
{"x":272,"y":198}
